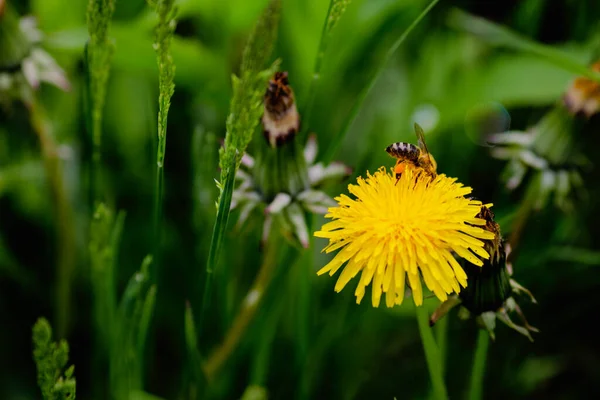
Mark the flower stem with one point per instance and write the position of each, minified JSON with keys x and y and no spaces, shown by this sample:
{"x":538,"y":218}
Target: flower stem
{"x":432,"y":354}
{"x":63,"y":217}
{"x":477,"y":375}
{"x":337,"y":138}
{"x":441,"y":336}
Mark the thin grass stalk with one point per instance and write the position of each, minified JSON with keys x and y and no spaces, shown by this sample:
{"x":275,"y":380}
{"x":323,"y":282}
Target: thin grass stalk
{"x":246,"y":109}
{"x":195,"y":359}
{"x":478,"y":372}
{"x":432,"y":354}
{"x":216,"y":242}
{"x":166,"y":74}
{"x":305,"y":270}
{"x":316,"y":75}
{"x":339,"y":136}
{"x":259,"y":374}
{"x":63,"y":212}
{"x":246,"y":312}
{"x":98,"y":54}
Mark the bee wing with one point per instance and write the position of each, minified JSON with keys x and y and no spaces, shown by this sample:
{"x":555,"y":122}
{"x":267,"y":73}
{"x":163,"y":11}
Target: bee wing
{"x":421,"y":138}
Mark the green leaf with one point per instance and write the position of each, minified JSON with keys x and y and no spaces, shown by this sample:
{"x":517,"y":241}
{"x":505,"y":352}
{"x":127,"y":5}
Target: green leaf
{"x":147,"y":311}
{"x":192,"y":349}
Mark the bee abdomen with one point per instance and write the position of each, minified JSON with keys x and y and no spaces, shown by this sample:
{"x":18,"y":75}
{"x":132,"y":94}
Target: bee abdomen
{"x":403,"y":150}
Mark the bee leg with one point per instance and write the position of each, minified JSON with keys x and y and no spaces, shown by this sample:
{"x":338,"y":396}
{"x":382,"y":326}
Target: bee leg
{"x":398,"y":176}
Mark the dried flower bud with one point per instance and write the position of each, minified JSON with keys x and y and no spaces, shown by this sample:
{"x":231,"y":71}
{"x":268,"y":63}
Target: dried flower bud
{"x":280,"y":119}
{"x":488,"y":286}
{"x":583,"y":96}
{"x":490,"y":289}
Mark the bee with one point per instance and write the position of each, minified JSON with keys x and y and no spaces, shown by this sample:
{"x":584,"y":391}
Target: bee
{"x":280,"y":119}
{"x":411,"y":156}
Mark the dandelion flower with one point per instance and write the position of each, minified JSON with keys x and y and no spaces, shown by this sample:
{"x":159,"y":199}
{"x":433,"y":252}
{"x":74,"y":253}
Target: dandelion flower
{"x":391,"y":231}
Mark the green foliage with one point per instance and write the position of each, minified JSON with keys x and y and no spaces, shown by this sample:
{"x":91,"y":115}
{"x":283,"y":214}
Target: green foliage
{"x":105,"y":237}
{"x":336,"y":9}
{"x":245,"y":111}
{"x":51,"y":358}
{"x":164,"y":33}
{"x":132,"y":320}
{"x":166,"y":67}
{"x":123,"y":326}
{"x":249,"y":88}
{"x":337,"y":139}
{"x":502,"y":36}
{"x":98,"y":53}
{"x":193,"y":353}
{"x":305,"y":341}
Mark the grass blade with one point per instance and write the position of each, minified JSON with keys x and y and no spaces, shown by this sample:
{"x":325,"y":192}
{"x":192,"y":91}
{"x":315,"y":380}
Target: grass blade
{"x":192,"y":350}
{"x":334,"y":13}
{"x":164,"y":32}
{"x":337,"y":139}
{"x":245,"y":112}
{"x":98,"y":54}
{"x":145,"y":317}
{"x":501,"y":36}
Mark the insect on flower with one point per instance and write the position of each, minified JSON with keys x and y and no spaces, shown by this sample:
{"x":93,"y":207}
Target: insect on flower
{"x":409,"y":155}
{"x":280,"y":119}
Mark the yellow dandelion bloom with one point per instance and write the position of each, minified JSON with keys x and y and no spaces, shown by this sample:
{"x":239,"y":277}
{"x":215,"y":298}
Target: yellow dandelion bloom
{"x":394,"y":230}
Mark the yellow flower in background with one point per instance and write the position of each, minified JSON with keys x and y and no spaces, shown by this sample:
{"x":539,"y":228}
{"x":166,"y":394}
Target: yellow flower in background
{"x":409,"y":228}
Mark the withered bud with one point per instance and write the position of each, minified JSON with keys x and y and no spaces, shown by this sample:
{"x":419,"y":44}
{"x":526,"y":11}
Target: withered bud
{"x":280,"y":119}
{"x":492,"y":246}
{"x":583,"y":95}
{"x":489,"y":285}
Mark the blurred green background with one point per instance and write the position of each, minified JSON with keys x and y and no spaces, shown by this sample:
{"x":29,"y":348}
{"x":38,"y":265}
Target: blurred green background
{"x":305,"y":341}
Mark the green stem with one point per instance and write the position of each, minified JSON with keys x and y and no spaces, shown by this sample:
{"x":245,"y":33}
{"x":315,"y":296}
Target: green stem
{"x":316,"y":75}
{"x":478,"y":372}
{"x":245,"y":314}
{"x":337,"y":138}
{"x":66,"y":241}
{"x":441,"y":337}
{"x":432,"y":354}
{"x":216,"y":241}
{"x":158,"y":199}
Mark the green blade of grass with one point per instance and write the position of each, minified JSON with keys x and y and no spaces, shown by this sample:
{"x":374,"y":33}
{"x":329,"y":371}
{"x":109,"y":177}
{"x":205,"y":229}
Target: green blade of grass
{"x":192,"y":350}
{"x":164,"y":32}
{"x":501,"y":36}
{"x":334,"y":13}
{"x":337,"y":138}
{"x":105,"y":237}
{"x":245,"y":112}
{"x":141,"y":395}
{"x":98,"y":54}
{"x":145,"y":317}
{"x":133,"y":288}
